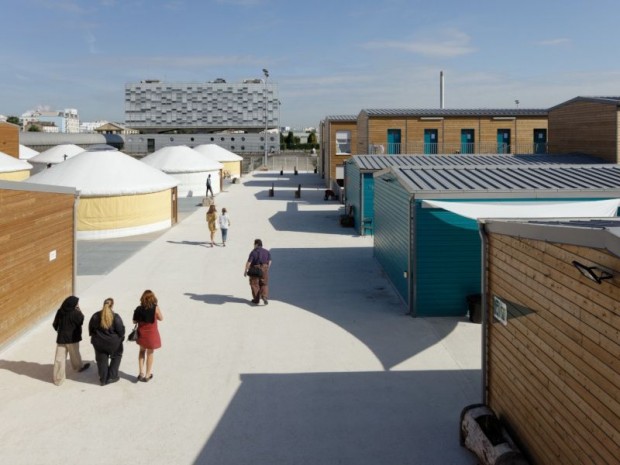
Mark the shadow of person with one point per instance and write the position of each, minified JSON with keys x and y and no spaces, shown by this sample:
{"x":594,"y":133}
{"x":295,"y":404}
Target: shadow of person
{"x":39,"y":371}
{"x":201,"y":243}
{"x":215,"y":299}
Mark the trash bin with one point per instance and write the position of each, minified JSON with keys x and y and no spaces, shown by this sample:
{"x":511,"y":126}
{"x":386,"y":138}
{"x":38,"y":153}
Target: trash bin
{"x":474,"y":306}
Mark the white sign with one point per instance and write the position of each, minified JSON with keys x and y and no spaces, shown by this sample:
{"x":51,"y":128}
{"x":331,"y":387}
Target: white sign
{"x":500,"y":312}
{"x":52,"y":255}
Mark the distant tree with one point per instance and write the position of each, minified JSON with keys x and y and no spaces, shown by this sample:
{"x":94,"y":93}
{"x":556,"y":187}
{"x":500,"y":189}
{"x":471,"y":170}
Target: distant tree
{"x":34,"y":128}
{"x":312,"y":138}
{"x":290,"y":140}
{"x":13,"y":119}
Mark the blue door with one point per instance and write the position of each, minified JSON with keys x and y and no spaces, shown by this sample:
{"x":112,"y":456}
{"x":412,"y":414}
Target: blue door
{"x":467,"y":141}
{"x":393,"y":142}
{"x":430,"y":141}
{"x":540,"y":141}
{"x":503,"y":141}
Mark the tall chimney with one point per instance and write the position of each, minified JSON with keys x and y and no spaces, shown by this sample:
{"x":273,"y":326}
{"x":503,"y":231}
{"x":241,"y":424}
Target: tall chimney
{"x":441,"y":90}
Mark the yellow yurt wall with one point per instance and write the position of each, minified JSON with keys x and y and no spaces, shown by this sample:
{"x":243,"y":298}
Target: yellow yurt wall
{"x":15,"y":175}
{"x":232,"y":167}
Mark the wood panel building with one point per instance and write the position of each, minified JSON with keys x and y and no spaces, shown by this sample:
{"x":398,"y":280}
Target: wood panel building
{"x":552,"y":346}
{"x":37,"y":246}
{"x":9,"y":139}
{"x":586,"y":125}
{"x":338,"y":144}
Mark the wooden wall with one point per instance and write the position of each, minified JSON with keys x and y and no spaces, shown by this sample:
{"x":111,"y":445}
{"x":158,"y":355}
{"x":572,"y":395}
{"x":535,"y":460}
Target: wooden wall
{"x":335,"y":159}
{"x":33,"y":225}
{"x":9,"y":139}
{"x":553,"y":371}
{"x":449,"y":133}
{"x":585,"y":127}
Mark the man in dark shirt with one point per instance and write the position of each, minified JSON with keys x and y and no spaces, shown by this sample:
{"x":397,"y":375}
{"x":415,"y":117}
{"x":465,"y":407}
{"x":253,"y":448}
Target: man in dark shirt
{"x":259,"y":259}
{"x":209,"y":188}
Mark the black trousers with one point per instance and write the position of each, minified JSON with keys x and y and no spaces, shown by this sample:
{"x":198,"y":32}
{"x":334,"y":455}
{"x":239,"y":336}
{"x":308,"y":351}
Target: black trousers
{"x":108,"y":363}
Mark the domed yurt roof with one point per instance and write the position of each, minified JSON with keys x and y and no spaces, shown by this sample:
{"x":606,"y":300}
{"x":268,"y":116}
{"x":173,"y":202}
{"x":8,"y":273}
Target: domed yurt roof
{"x":181,"y":159}
{"x":26,"y":152}
{"x":9,"y":164}
{"x":105,"y":173}
{"x":217,"y":153}
{"x":57,"y":154}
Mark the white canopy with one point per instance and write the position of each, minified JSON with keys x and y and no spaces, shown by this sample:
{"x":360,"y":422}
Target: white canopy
{"x":534,"y":209}
{"x":181,"y":159}
{"x":26,"y":152}
{"x":217,"y":153}
{"x":105,"y":173}
{"x":57,"y":154}
{"x":9,"y":164}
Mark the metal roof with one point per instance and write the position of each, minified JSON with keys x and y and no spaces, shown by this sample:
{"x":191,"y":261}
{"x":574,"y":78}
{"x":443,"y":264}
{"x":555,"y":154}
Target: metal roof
{"x":437,"y":112}
{"x":544,"y":181}
{"x":598,"y":233}
{"x":378,"y":162}
{"x":603,"y":100}
{"x":348,"y":118}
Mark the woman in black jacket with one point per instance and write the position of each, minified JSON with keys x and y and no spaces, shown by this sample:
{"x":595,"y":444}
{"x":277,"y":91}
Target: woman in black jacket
{"x":107,"y":333}
{"x":68,"y":326}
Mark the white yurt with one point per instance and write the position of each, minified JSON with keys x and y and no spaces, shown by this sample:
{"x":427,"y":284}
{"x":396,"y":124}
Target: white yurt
{"x":119,"y":195}
{"x":13,"y":169}
{"x":53,"y":156}
{"x":25,"y":153}
{"x":231,"y":161}
{"x":189,"y":167}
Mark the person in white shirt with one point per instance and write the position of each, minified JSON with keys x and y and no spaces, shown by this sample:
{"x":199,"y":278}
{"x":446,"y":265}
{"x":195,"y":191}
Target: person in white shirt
{"x":224,"y":221}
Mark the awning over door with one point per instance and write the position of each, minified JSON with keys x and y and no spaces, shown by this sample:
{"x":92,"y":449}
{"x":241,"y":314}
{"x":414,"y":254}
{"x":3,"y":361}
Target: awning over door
{"x":531,"y":209}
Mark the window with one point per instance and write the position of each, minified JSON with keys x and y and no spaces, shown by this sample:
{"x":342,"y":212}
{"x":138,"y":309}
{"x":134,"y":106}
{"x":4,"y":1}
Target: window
{"x":343,"y":142}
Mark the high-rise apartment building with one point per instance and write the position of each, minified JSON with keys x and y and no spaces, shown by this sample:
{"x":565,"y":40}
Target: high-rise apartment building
{"x":156,"y":106}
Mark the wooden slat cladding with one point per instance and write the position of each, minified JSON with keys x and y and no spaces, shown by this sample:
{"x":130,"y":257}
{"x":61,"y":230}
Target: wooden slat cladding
{"x":586,"y":127}
{"x":9,"y":139}
{"x":33,"y":225}
{"x":553,"y":371}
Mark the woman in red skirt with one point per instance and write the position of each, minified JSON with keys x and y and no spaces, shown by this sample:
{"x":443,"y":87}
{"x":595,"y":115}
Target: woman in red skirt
{"x":147,"y":314}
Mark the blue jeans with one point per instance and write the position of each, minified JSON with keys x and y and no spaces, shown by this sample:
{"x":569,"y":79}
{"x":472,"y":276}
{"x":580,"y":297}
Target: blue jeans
{"x":224,"y":234}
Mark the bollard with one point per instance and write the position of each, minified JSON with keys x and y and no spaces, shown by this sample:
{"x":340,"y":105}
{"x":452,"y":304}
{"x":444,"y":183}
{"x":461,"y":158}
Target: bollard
{"x":295,"y":172}
{"x":298,"y":192}
{"x":272,"y":190}
{"x":281,"y":172}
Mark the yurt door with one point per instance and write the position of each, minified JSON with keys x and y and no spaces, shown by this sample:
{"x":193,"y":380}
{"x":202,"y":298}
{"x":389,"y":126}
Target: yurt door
{"x":174,"y":212}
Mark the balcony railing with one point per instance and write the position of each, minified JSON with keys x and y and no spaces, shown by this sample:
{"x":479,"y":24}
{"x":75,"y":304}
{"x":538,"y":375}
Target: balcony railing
{"x":381,"y":148}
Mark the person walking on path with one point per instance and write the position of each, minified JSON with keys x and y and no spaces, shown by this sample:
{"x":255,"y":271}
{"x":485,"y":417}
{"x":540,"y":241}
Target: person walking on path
{"x":257,"y":268}
{"x":209,"y":188}
{"x":146,"y":315}
{"x":107,"y":333}
{"x":68,"y":325}
{"x":212,"y":222}
{"x":224,"y":222}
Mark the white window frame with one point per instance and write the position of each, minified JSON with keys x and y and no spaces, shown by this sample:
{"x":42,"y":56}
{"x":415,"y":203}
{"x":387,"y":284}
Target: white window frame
{"x":343,"y":142}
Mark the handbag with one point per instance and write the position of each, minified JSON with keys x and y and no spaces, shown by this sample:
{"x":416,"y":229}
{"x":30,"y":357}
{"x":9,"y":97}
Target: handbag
{"x":255,"y":272}
{"x":133,"y":335}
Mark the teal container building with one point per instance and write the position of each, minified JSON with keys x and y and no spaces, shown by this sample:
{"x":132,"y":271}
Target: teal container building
{"x":432,"y":255}
{"x":359,"y":182}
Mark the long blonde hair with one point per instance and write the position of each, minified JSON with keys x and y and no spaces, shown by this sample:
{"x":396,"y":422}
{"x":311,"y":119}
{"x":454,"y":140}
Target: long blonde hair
{"x":107,"y":315}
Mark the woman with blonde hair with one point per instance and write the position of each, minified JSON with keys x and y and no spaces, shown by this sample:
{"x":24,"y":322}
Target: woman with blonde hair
{"x":107,"y":333}
{"x":212,"y":222}
{"x":146,"y":315}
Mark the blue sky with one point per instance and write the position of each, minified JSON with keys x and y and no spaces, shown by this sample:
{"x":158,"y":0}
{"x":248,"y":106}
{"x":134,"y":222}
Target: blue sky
{"x":327,"y":57}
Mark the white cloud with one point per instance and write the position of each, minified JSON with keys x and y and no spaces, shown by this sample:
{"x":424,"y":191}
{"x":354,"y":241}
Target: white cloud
{"x":453,"y":43}
{"x":555,"y":42}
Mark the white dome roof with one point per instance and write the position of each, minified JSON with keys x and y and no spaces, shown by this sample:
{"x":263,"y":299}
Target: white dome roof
{"x":105,"y":173}
{"x":26,"y":152}
{"x":181,"y":159}
{"x":57,"y":154}
{"x":217,"y":153}
{"x":9,"y":164}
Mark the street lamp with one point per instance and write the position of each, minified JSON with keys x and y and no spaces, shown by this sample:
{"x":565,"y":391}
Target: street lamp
{"x":266,"y":73}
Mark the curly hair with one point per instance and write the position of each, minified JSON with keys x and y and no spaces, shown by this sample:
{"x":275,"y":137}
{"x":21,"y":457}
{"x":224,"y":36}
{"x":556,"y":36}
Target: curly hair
{"x":148,"y":299}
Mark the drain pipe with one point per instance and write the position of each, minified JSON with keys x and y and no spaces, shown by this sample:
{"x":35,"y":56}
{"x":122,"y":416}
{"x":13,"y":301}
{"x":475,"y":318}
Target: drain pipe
{"x":76,"y":200}
{"x":483,"y":288}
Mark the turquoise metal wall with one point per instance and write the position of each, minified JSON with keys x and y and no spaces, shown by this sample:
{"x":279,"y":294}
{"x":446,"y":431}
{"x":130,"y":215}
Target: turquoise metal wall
{"x":447,"y":261}
{"x":368,"y":198}
{"x":392,"y":232}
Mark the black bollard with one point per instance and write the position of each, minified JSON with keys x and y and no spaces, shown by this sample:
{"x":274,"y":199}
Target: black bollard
{"x":272,"y":190}
{"x":295,"y":172}
{"x":281,"y":172}
{"x":298,"y":192}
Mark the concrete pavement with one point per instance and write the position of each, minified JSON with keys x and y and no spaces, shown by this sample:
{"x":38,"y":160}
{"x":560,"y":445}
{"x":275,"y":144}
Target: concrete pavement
{"x":332,"y":371}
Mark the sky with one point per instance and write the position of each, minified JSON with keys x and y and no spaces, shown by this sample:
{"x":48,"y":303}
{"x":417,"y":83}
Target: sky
{"x":327,"y":58}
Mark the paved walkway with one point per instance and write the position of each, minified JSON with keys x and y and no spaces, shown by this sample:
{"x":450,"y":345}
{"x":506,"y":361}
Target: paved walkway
{"x":332,"y":371}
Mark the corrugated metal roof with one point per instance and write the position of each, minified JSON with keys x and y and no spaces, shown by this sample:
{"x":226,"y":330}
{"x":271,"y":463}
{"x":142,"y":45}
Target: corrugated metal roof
{"x":378,"y":162}
{"x":436,"y":112}
{"x":348,"y":118}
{"x":569,"y":181}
